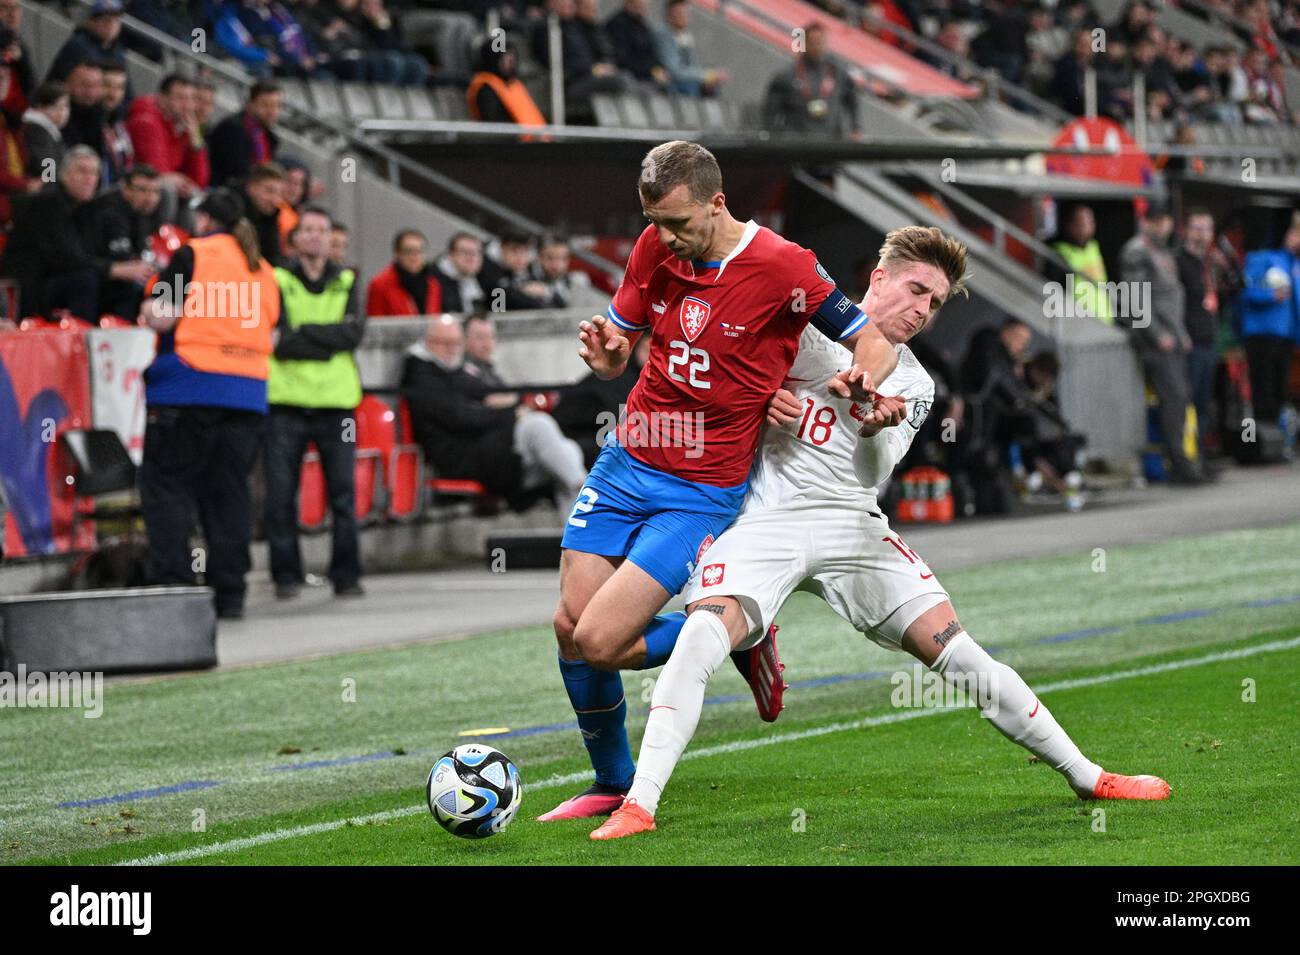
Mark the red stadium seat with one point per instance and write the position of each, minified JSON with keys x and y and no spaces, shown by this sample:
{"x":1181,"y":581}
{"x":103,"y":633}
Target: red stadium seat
{"x":313,"y":501}
{"x":405,"y":472}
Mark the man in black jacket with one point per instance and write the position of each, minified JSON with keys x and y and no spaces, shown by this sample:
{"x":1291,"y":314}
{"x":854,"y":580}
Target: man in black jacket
{"x":125,"y":218}
{"x":635,"y":49}
{"x":52,"y":250}
{"x":261,"y":194}
{"x":247,"y":138}
{"x":99,"y":38}
{"x":86,"y":116}
{"x":468,"y":431}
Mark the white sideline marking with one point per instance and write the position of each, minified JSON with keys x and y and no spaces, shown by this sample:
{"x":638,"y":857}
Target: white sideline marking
{"x":279,"y":835}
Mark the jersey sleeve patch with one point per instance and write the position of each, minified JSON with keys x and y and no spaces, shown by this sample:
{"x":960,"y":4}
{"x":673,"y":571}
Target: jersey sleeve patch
{"x":920,"y":411}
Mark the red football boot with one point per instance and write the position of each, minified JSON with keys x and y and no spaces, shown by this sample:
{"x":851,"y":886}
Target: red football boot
{"x":761,"y":667}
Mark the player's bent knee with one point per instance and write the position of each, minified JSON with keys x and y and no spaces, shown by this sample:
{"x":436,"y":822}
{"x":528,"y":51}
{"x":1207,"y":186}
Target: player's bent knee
{"x":600,"y":646}
{"x":564,"y":624}
{"x":729,"y":611}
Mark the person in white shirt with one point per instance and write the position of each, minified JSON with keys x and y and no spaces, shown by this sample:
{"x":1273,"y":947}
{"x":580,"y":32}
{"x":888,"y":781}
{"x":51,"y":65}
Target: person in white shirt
{"x":811,"y":522}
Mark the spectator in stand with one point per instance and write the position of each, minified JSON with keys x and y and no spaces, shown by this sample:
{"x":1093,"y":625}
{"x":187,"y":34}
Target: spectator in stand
{"x":1203,"y":270}
{"x":1138,"y":17}
{"x":85,"y":126}
{"x":43,"y":130}
{"x":13,"y":51}
{"x":567,"y":289}
{"x":469,"y":432}
{"x":246,"y":139}
{"x":205,"y":401}
{"x":339,"y":248}
{"x":1045,"y":43}
{"x":1270,"y":321}
{"x":165,"y":133}
{"x":585,"y":53}
{"x":1050,"y":450}
{"x":205,"y":105}
{"x":496,"y":94}
{"x":119,"y":154}
{"x":1266,"y":105}
{"x":342,"y":45}
{"x":52,"y":251}
{"x":635,"y":47}
{"x":296,"y":190}
{"x":481,"y":350}
{"x":513,"y":260}
{"x":1067,"y":86}
{"x":1146,"y":59}
{"x":814,"y":96}
{"x":237,"y":41}
{"x":1229,"y":82}
{"x":587,"y":408}
{"x":1160,"y":336}
{"x":676,"y":51}
{"x":14,"y":177}
{"x":1003,"y":45}
{"x":262,"y":193}
{"x":97,"y":40}
{"x":313,"y":390}
{"x":461,"y":272}
{"x":408,"y":285}
{"x":125,"y":219}
{"x":953,"y":39}
{"x":383,"y":35}
{"x":292,"y":52}
{"x":172,"y":17}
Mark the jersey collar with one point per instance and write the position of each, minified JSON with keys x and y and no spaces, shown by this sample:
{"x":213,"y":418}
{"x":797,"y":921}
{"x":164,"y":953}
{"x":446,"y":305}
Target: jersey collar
{"x":751,"y":230}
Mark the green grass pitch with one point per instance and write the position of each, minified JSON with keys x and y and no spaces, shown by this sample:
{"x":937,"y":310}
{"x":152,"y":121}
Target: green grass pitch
{"x":1178,"y":658}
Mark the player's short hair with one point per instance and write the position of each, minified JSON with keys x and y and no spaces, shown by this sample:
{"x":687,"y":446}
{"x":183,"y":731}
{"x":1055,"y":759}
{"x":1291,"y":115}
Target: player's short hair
{"x":141,"y":171}
{"x":679,"y":162}
{"x":931,"y":246}
{"x":172,"y":80}
{"x":405,"y":234}
{"x":268,"y":170}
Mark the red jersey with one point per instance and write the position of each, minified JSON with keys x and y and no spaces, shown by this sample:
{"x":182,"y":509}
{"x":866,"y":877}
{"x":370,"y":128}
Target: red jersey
{"x":723,"y":336}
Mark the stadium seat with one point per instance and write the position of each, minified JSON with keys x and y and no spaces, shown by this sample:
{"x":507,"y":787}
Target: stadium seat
{"x":441,"y":487}
{"x":452,"y":103}
{"x":661,"y":112}
{"x":325,"y":100}
{"x":688,"y":112}
{"x":313,"y":501}
{"x":634,"y":112}
{"x":375,"y":443}
{"x":389,"y":101}
{"x":420,"y":104}
{"x":606,"y":110}
{"x":357,"y":101}
{"x":294,"y":94}
{"x":711,"y":115}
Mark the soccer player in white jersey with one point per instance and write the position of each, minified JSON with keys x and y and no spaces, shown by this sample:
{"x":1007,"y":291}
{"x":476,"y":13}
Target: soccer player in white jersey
{"x":811,"y":522}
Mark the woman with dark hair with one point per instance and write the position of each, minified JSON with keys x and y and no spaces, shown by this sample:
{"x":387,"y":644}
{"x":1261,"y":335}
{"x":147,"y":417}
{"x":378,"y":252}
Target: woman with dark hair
{"x":215,"y":310}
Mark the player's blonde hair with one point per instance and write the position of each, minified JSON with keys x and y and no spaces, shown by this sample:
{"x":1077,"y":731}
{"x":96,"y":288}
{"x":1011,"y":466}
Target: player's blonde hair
{"x":931,"y":246}
{"x":671,"y":164}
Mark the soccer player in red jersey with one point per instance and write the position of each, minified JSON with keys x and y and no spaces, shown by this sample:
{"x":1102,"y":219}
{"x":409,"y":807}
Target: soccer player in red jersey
{"x":725,"y":303}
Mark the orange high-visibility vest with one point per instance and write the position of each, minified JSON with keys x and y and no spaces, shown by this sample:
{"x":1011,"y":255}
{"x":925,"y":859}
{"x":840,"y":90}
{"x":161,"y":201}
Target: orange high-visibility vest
{"x":229,"y":311}
{"x":513,"y":95}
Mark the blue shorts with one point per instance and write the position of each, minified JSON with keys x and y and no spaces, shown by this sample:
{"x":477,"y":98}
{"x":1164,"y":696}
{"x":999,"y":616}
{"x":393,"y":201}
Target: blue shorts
{"x":659,"y":522}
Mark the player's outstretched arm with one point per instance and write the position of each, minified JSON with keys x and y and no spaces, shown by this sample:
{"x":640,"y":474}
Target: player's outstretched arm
{"x":604,"y":348}
{"x":874,"y":360}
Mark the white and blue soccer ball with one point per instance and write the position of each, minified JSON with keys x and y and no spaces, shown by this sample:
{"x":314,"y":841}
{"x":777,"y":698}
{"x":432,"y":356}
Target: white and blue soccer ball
{"x":474,"y":791}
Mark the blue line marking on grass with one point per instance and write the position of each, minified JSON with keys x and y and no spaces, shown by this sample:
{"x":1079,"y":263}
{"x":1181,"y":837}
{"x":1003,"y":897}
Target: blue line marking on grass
{"x":708,"y":701}
{"x":140,"y":794}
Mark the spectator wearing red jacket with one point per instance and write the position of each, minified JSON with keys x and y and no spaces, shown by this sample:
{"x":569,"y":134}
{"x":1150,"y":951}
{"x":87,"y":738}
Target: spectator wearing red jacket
{"x":407,"y":286}
{"x":164,"y":131}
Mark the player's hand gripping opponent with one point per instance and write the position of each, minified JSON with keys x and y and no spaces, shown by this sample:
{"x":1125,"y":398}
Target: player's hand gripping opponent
{"x":604,"y":348}
{"x":886,"y":411}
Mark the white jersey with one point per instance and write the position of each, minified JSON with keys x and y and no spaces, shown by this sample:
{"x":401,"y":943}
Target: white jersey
{"x":812,"y":459}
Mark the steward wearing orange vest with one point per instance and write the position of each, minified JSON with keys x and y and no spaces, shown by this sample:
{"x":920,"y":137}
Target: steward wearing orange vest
{"x":215,"y":308}
{"x":496,"y":94}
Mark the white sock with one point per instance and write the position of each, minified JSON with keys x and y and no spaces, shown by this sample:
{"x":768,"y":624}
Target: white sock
{"x":675,"y":706}
{"x":1016,"y":711}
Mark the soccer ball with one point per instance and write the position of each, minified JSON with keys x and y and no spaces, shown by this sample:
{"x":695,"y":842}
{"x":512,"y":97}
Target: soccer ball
{"x":474,"y":791}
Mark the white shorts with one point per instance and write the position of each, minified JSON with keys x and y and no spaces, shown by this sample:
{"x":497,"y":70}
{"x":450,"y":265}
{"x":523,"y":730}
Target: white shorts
{"x":848,"y":557}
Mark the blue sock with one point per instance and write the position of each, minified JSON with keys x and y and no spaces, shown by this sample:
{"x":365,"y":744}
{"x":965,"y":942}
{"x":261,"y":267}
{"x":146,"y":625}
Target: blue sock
{"x":661,"y":637}
{"x":597,"y":698}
